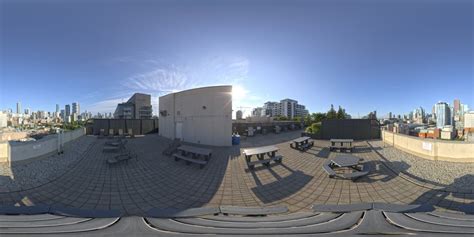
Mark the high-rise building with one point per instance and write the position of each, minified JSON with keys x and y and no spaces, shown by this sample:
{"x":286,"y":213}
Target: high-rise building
{"x":27,"y":111}
{"x":271,"y":109}
{"x":18,"y":107}
{"x":456,"y":107}
{"x":257,"y":112}
{"x":419,"y":115}
{"x":469,"y":119}
{"x":57,"y":108}
{"x":3,"y":120}
{"x":68,"y":110}
{"x":443,"y":114}
{"x":287,"y":108}
{"x":137,"y":107}
{"x":76,"y":109}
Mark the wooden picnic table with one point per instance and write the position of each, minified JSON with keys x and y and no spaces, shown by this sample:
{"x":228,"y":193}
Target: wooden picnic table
{"x":195,"y":151}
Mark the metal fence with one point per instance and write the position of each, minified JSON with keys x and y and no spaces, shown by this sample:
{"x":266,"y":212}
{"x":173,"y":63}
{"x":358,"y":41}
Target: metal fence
{"x":138,"y":126}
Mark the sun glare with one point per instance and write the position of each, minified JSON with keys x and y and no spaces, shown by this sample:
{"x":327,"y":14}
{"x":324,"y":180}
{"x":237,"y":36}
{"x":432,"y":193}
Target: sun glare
{"x":238,"y":92}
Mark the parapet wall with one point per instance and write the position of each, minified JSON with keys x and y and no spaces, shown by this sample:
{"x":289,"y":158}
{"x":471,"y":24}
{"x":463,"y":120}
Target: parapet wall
{"x":20,"y":151}
{"x":457,"y":151}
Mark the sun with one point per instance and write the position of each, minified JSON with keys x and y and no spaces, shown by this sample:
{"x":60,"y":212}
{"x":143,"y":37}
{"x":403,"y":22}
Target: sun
{"x":238,"y":92}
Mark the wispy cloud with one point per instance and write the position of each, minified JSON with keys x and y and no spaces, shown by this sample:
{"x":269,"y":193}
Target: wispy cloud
{"x":158,"y":78}
{"x":105,"y":106}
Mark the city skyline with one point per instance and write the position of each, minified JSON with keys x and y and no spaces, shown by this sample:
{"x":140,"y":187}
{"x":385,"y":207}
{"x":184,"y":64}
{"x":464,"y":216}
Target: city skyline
{"x":408,"y":59}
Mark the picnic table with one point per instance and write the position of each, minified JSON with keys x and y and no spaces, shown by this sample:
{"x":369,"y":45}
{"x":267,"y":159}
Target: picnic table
{"x":196,"y":152}
{"x":346,"y":161}
{"x":341,"y":144}
{"x":301,"y":143}
{"x":260,"y":153}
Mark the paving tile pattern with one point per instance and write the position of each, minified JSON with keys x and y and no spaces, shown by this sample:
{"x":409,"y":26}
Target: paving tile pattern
{"x":154,"y":180}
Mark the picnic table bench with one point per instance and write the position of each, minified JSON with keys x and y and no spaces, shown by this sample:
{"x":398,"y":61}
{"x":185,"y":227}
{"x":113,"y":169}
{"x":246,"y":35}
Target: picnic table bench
{"x":345,"y":161}
{"x":196,"y":152}
{"x":190,"y":160}
{"x":341,"y":144}
{"x":301,"y":143}
{"x":260,"y":153}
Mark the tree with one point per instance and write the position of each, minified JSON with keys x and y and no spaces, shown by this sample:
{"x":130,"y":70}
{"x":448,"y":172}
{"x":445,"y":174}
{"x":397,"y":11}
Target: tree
{"x":307,"y":119}
{"x":298,"y":119}
{"x":331,"y":113}
{"x":314,"y":128}
{"x":341,"y":114}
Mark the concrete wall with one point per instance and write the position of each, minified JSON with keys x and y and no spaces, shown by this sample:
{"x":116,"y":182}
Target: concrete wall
{"x":138,"y":126}
{"x":4,"y":152}
{"x":7,"y":136}
{"x":20,"y":151}
{"x":205,"y":114}
{"x":457,"y":151}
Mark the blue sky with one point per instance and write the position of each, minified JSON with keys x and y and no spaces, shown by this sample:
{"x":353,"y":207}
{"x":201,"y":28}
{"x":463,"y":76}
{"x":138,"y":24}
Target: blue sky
{"x":363,"y":55}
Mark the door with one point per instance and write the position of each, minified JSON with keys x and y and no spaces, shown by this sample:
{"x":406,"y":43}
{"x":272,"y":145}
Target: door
{"x":179,"y":130}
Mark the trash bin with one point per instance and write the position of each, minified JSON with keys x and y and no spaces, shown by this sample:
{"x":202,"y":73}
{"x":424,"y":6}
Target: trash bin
{"x":235,"y":139}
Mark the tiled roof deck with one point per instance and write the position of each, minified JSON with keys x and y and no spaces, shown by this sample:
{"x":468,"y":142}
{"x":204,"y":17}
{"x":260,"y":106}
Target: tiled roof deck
{"x":154,"y":180}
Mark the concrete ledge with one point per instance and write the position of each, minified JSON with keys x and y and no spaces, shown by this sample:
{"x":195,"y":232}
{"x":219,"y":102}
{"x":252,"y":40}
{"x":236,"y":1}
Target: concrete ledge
{"x":431,"y":149}
{"x":234,"y":210}
{"x":175,"y":213}
{"x":342,"y":208}
{"x":78,"y":212}
{"x":24,"y":210}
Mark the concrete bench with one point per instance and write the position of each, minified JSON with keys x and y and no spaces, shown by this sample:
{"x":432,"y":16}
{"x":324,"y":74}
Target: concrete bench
{"x":188,"y":160}
{"x":353,"y":176}
{"x":182,"y":213}
{"x":329,"y":170}
{"x":277,"y":159}
{"x":120,"y":158}
{"x":253,"y":211}
{"x":24,"y":210}
{"x":357,"y":174}
{"x":342,"y":208}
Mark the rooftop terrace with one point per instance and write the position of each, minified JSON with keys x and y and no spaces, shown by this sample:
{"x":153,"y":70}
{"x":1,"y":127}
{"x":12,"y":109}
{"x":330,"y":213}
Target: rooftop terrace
{"x":81,"y":178}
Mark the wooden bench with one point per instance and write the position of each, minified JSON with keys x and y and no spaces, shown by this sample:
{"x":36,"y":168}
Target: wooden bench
{"x":189,"y":160}
{"x":277,"y":159}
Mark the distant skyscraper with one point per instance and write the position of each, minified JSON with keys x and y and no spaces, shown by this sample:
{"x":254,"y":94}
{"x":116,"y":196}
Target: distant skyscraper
{"x":68,"y":110}
{"x":443,"y":114}
{"x":57,"y":108}
{"x":457,"y":106}
{"x":419,"y":115}
{"x":76,"y":108}
{"x":18,"y":107}
{"x":27,"y":111}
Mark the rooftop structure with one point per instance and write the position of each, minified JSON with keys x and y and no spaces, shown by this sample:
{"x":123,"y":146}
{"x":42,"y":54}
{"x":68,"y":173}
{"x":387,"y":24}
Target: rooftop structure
{"x":201,"y":115}
{"x":137,"y":107}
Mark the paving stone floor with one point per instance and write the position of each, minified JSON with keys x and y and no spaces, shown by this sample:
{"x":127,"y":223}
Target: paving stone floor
{"x":154,"y":180}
